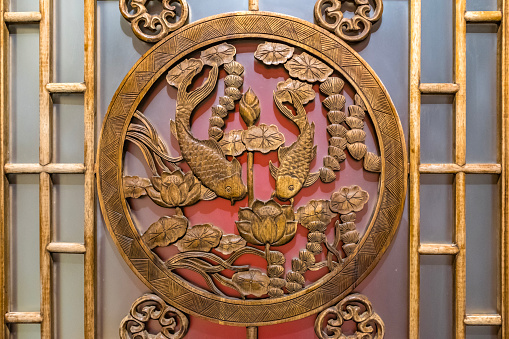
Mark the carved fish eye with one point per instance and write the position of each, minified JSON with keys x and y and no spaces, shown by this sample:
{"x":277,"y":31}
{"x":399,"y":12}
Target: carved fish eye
{"x":291,"y":188}
{"x":228,"y":189}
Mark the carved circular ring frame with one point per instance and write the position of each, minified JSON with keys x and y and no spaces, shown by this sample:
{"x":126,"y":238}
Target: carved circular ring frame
{"x":392,"y":186}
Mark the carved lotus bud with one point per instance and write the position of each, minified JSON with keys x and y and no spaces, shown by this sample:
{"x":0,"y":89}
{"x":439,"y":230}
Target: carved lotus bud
{"x":267,"y":223}
{"x":216,"y":121}
{"x":338,"y":142}
{"x":327,"y":175}
{"x":355,"y":135}
{"x":220,"y":111}
{"x":355,"y":123}
{"x":356,"y":112}
{"x":332,"y":163}
{"x":233,"y":81}
{"x":337,"y":153}
{"x":234,"y":68}
{"x":178,"y":189}
{"x":336,"y":117}
{"x":249,"y":107}
{"x":357,"y":150}
{"x":372,"y":162}
{"x":227,"y":103}
{"x":335,"y":102}
{"x":233,"y":93}
{"x":337,"y":130}
{"x":332,"y":86}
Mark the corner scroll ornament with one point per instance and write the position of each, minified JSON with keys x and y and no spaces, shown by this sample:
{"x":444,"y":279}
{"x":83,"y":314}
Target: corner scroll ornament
{"x":356,"y":308}
{"x":329,"y":15}
{"x":154,"y":27}
{"x":174,"y":324}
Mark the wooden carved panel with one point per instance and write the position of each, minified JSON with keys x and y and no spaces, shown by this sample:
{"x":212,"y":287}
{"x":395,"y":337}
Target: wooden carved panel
{"x":238,"y":291}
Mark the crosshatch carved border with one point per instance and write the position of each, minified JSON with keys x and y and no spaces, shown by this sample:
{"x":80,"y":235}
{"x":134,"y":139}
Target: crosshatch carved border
{"x":392,"y":188}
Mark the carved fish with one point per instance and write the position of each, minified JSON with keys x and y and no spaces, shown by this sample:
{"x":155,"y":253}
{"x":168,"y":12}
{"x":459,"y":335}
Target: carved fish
{"x":294,"y":161}
{"x":209,"y":164}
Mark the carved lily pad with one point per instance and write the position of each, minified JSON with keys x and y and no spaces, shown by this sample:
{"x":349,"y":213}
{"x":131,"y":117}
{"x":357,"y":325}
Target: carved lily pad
{"x":230,"y":243}
{"x":273,"y":53}
{"x":303,"y":90}
{"x":166,"y":230}
{"x":134,"y":187}
{"x":179,"y":72}
{"x":308,"y":68}
{"x":219,"y":54}
{"x":252,"y":282}
{"x":315,"y":215}
{"x":232,"y":143}
{"x":200,"y":238}
{"x":348,"y":199}
{"x":263,"y":138}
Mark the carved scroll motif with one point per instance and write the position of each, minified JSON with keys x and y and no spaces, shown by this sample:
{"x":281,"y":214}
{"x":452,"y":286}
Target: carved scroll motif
{"x":357,"y":308}
{"x":154,"y":27}
{"x":329,"y":15}
{"x":174,"y":324}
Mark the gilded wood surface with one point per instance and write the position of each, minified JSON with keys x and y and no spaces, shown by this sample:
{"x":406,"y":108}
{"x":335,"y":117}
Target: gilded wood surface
{"x":316,"y":43}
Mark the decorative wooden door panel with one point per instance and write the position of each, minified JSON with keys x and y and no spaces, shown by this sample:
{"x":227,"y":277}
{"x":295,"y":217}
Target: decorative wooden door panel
{"x":251,"y":169}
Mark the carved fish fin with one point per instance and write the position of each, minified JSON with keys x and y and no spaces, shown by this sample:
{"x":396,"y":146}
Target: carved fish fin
{"x":173,"y":129}
{"x":237,"y":167}
{"x":281,"y":152}
{"x":313,"y":152}
{"x":273,"y":170}
{"x":207,"y":193}
{"x":311,"y":179}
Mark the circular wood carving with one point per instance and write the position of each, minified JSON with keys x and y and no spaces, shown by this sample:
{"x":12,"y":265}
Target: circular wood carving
{"x":318,"y":48}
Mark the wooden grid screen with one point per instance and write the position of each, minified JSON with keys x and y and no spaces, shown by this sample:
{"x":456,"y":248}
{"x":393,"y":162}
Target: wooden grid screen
{"x":46,"y":167}
{"x":459,"y":168}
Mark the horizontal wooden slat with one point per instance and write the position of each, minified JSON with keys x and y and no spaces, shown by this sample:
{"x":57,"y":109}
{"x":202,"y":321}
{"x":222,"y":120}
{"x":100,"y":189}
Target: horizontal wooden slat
{"x":438,"y":249}
{"x":66,"y":247}
{"x":453,"y":168}
{"x":439,"y":88}
{"x":22,"y":17}
{"x":483,"y":320}
{"x":50,"y":168}
{"x":62,"y":87}
{"x":23,"y":318}
{"x":483,"y":16}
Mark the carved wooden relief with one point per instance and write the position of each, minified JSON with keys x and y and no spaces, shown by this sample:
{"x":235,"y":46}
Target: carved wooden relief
{"x":237,"y":289}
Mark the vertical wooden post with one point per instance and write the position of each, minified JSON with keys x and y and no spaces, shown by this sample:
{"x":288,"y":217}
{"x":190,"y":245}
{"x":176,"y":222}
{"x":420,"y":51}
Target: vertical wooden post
{"x":90,"y":226}
{"x":254,"y":5}
{"x":252,"y":332}
{"x":4,"y":158}
{"x":415,"y":158}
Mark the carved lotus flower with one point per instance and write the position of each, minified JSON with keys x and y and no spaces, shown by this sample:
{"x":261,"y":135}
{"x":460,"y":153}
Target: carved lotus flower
{"x":179,"y":72}
{"x":308,"y":68}
{"x":272,"y":53}
{"x":249,"y":107}
{"x":349,"y":199}
{"x":267,"y":223}
{"x":177,"y":188}
{"x":315,"y":215}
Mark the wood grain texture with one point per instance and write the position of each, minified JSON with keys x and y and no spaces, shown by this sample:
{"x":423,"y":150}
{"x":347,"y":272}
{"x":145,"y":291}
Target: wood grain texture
{"x":277,"y":28}
{"x":483,"y":320}
{"x":438,"y":249}
{"x":483,"y":16}
{"x":23,"y":318}
{"x":65,"y":247}
{"x":415,"y":158}
{"x":17,"y":168}
{"x":66,"y":87}
{"x":22,"y":17}
{"x":439,"y":88}
{"x":252,"y":332}
{"x":453,"y":168}
{"x":254,"y":5}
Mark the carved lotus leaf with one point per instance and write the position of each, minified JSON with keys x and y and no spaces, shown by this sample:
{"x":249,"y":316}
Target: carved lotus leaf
{"x":219,"y":54}
{"x":177,"y":188}
{"x":200,"y":238}
{"x":134,"y":187}
{"x":302,"y":90}
{"x":232,"y":143}
{"x":348,"y":199}
{"x":315,"y":215}
{"x":267,"y":223}
{"x":273,"y":53}
{"x":263,"y":138}
{"x":308,"y":68}
{"x":166,"y":230}
{"x":230,"y":243}
{"x":179,"y":72}
{"x":252,"y":282}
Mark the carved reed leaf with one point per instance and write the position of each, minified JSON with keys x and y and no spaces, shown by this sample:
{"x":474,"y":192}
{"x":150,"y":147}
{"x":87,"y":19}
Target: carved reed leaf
{"x":263,"y":138}
{"x":166,"y":230}
{"x":273,"y":53}
{"x":308,"y":68}
{"x":232,"y":143}
{"x":200,"y":238}
{"x":302,"y":90}
{"x":230,"y":243}
{"x":219,"y":54}
{"x":348,"y":199}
